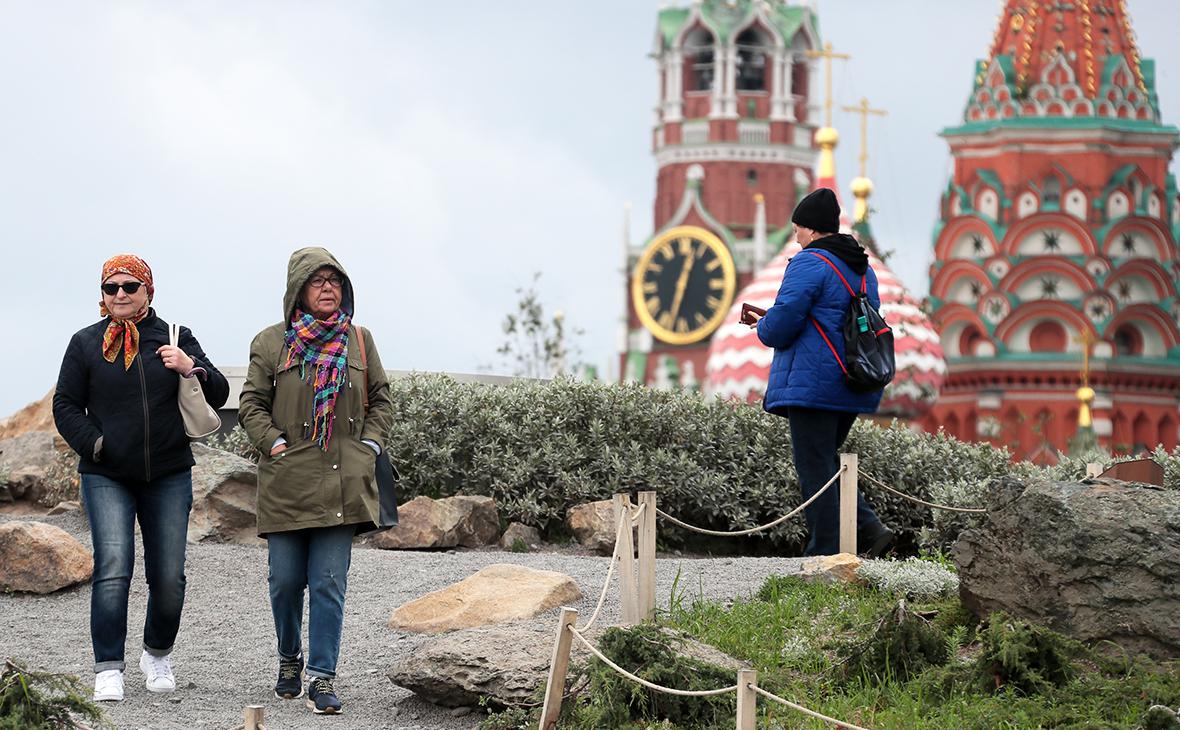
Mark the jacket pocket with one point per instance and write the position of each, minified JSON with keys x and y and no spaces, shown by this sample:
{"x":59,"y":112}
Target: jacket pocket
{"x":290,"y":487}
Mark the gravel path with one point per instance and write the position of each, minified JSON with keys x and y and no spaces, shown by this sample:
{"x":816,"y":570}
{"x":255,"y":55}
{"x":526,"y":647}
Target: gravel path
{"x":225,"y":657}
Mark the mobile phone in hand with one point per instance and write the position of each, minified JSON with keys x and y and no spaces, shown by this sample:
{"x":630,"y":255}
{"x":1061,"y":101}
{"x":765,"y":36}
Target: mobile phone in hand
{"x":747,"y":310}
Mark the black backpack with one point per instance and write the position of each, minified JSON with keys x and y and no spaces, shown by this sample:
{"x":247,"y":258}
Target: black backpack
{"x":868,"y":363}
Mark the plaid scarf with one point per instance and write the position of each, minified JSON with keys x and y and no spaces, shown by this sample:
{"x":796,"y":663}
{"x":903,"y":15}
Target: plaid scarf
{"x":321,"y":344}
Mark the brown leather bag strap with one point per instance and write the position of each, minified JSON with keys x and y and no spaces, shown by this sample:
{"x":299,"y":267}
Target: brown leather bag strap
{"x":360,"y":340}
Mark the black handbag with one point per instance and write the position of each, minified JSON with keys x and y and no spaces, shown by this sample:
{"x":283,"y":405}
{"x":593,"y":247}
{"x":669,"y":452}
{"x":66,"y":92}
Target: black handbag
{"x":385,"y":472}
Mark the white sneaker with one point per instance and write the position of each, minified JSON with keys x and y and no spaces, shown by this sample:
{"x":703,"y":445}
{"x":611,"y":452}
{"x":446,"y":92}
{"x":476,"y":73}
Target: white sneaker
{"x":158,"y":671}
{"x":108,"y":686}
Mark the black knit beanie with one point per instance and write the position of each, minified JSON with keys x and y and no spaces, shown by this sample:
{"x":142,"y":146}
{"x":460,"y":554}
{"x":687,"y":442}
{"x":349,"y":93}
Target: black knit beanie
{"x":819,"y":211}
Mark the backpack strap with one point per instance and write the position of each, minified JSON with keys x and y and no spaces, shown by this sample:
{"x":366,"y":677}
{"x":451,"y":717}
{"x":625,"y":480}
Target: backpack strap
{"x":863,"y":289}
{"x":851,"y":292}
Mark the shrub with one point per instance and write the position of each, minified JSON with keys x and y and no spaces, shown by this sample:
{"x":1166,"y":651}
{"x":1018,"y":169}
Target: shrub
{"x":651,"y":653}
{"x":540,"y":448}
{"x":914,"y":578}
{"x":902,"y":645}
{"x":32,"y":700}
{"x":1023,"y":656}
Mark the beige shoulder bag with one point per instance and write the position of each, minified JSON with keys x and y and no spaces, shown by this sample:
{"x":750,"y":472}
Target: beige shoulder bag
{"x":200,"y":420}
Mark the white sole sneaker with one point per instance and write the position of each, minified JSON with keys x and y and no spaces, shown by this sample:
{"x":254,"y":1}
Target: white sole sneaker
{"x":108,"y":686}
{"x":157,"y":672}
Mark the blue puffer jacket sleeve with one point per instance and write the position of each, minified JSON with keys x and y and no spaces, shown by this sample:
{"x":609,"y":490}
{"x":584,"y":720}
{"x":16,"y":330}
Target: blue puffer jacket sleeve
{"x":804,"y":371}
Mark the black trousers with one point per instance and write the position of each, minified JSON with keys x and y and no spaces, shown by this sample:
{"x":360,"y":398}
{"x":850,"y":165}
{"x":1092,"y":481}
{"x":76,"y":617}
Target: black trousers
{"x":816,"y":438}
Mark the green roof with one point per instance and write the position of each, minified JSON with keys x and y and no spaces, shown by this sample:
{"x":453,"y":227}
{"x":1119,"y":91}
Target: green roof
{"x":723,"y":17}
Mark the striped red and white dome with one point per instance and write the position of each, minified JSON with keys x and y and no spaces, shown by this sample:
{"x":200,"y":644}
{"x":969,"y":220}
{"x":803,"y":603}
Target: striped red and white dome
{"x":739,"y":364}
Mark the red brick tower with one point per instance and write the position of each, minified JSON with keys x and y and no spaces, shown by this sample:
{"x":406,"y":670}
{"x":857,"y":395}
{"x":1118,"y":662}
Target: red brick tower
{"x":1056,"y":249}
{"x":734,"y":148}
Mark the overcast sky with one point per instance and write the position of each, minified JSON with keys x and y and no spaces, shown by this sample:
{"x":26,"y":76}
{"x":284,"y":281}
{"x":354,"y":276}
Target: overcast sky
{"x":443,"y":150}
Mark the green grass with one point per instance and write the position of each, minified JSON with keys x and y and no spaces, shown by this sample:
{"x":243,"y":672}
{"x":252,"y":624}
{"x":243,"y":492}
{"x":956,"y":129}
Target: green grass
{"x":796,"y":634}
{"x":849,"y":651}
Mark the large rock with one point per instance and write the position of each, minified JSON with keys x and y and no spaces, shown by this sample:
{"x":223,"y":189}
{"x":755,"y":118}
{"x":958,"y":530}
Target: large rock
{"x":29,"y":460}
{"x":839,"y":568}
{"x":40,"y":558}
{"x":593,"y":524}
{"x":1098,"y":560}
{"x":530,"y":537}
{"x":425,"y":523}
{"x":225,"y":491}
{"x":504,"y":663}
{"x":496,"y":594}
{"x":37,"y":416}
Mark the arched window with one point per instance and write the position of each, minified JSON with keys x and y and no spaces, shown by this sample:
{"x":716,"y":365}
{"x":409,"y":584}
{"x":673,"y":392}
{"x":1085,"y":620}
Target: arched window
{"x":1128,"y":341}
{"x":700,"y":60}
{"x":752,"y":51}
{"x":1052,"y":194}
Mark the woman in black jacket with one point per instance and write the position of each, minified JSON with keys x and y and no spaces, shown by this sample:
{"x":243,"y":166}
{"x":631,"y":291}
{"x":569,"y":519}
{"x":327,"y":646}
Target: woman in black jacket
{"x":116,"y":405}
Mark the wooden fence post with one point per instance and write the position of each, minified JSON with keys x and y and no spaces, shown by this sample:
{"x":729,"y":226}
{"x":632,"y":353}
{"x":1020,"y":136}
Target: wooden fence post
{"x":747,"y":699}
{"x":558,"y":665}
{"x":253,"y":717}
{"x":626,"y":548}
{"x":848,"y":479}
{"x":1093,"y":470}
{"x":647,"y":556}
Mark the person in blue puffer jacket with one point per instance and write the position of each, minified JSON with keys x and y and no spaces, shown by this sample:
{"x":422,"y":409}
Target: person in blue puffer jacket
{"x":807,"y":384}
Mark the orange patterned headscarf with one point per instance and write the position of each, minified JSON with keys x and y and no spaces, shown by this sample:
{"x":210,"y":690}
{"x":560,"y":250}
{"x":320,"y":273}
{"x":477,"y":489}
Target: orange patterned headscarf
{"x":123,"y":332}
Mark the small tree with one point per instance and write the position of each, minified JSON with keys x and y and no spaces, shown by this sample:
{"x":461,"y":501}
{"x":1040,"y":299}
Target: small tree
{"x":537,"y":346}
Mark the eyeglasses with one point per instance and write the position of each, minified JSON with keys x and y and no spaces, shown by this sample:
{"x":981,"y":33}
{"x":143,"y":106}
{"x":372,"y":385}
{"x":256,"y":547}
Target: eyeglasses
{"x":128,"y":286}
{"x":319,"y":282}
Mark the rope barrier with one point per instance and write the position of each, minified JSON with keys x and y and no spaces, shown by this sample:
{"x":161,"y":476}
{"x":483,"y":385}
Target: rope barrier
{"x":752,"y":530}
{"x":614,"y":558}
{"x":650,"y":685}
{"x":885,"y":486}
{"x":804,"y":710}
{"x":635,"y":514}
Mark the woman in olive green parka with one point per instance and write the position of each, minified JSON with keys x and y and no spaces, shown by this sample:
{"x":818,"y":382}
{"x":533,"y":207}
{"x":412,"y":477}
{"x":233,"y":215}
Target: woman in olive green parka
{"x":303,"y":407}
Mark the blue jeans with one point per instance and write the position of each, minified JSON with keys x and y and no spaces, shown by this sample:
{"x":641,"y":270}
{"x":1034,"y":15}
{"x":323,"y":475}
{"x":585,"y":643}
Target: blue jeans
{"x":317,"y":559}
{"x":162,"y":507}
{"x":816,"y":438}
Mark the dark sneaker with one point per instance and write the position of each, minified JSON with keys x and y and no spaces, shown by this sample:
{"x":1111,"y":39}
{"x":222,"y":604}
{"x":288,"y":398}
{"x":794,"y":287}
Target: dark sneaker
{"x":321,"y":697}
{"x":290,"y":683}
{"x":875,"y":541}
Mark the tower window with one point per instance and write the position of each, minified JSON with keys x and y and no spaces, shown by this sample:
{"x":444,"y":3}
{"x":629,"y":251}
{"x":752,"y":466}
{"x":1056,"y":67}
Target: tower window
{"x":751,"y":61}
{"x":751,"y":177}
{"x":1052,"y":194}
{"x":699,"y":57}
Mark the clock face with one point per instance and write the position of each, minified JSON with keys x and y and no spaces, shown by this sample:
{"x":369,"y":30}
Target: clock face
{"x":683,"y":285}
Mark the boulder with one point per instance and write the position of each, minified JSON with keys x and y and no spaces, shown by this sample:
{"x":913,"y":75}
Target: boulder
{"x":37,"y":416}
{"x":506,"y":664}
{"x":29,"y":460}
{"x":63,"y":507}
{"x":496,"y":594}
{"x":40,"y":558}
{"x":530,"y":536}
{"x":225,"y":490}
{"x":425,"y":523}
{"x":503,"y":663}
{"x":1098,"y":561}
{"x":840,"y":568}
{"x":593,"y":524}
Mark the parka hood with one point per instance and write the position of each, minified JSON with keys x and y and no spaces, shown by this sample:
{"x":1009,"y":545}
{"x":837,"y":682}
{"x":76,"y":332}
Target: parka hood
{"x":304,"y":263}
{"x":847,"y":248}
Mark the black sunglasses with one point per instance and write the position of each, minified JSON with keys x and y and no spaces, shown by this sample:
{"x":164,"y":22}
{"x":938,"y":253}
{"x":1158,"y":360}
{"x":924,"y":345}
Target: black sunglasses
{"x":128,"y":286}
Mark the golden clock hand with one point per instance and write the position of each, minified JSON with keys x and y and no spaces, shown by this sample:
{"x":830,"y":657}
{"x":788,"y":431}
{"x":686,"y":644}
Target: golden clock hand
{"x":681,"y":283}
